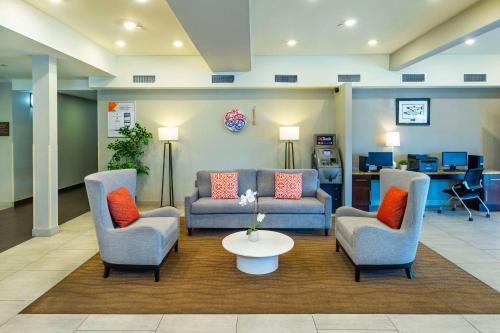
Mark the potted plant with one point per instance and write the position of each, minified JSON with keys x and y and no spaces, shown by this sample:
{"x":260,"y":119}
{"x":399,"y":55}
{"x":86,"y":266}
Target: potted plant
{"x":128,"y":150}
{"x":249,"y":198}
{"x":403,"y":164}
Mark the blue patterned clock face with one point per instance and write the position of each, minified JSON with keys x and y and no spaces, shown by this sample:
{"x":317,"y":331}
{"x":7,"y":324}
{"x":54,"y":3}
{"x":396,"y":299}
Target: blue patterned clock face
{"x":235,"y":120}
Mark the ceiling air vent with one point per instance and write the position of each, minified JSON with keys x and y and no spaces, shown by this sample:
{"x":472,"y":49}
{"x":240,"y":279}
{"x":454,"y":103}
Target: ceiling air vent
{"x":144,"y":78}
{"x":413,"y":78}
{"x":285,"y":78}
{"x":222,"y":78}
{"x":475,"y":77}
{"x":349,"y":78}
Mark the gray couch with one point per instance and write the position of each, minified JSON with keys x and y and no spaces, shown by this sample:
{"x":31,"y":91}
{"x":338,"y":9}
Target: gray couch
{"x":372,"y":245}
{"x":313,"y":211}
{"x":142,"y":245}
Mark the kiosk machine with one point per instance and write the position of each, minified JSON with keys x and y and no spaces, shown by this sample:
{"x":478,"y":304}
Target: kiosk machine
{"x":326,"y":159}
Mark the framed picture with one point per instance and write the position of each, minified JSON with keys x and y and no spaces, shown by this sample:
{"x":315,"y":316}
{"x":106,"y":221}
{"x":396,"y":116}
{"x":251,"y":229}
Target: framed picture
{"x":413,"y":111}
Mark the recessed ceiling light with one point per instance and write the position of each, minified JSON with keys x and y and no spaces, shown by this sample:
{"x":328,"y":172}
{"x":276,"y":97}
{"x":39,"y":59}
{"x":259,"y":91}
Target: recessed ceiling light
{"x":129,"y":25}
{"x":470,"y":41}
{"x":178,"y":43}
{"x":120,"y":43}
{"x":56,"y":1}
{"x":141,"y":1}
{"x":291,"y":42}
{"x":350,"y":22}
{"x":372,"y":42}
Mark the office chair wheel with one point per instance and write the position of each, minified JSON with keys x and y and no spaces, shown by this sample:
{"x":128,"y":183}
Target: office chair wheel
{"x":471,"y":219}
{"x":488,"y":215}
{"x":439,"y":211}
{"x":453,"y":208}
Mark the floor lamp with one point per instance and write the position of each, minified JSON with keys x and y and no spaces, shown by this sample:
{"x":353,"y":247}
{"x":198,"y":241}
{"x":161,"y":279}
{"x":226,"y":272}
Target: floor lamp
{"x":289,"y":134}
{"x":167,"y":135}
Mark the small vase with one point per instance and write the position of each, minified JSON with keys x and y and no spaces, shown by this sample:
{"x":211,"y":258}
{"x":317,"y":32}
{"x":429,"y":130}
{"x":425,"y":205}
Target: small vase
{"x":253,"y":236}
{"x":403,"y":167}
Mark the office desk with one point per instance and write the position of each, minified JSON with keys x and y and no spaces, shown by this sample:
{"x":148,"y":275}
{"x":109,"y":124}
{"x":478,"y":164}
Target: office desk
{"x":362,"y":187}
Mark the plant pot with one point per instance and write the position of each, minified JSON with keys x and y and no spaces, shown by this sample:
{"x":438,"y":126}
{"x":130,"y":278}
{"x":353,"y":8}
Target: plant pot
{"x":403,"y":167}
{"x":253,"y":236}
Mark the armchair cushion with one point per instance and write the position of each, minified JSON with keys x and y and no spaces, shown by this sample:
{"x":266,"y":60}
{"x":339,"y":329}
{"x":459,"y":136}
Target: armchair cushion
{"x":219,"y":206}
{"x":122,"y":207}
{"x":347,"y":226}
{"x":392,"y":209}
{"x":308,"y":205}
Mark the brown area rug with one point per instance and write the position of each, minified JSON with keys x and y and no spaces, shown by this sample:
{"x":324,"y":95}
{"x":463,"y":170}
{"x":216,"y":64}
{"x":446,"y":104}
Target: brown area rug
{"x":312,"y":278}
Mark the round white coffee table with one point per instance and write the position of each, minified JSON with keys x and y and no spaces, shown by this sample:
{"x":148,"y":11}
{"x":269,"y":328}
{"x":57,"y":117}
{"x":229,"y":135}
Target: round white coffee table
{"x":260,"y":257}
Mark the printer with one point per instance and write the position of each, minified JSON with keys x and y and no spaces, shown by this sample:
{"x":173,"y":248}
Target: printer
{"x":422,"y":163}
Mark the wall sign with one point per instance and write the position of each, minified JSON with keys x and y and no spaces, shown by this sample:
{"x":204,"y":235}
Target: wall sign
{"x":413,"y":111}
{"x":120,"y":114}
{"x":235,"y":120}
{"x":4,"y":128}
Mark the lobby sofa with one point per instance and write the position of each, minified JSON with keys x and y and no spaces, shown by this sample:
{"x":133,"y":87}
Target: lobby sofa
{"x":312,"y":211}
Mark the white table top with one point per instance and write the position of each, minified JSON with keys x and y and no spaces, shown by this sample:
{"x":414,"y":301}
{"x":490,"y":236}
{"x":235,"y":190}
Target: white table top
{"x":270,"y":244}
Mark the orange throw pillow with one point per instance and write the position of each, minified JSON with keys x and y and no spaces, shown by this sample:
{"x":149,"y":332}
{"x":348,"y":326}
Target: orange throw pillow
{"x":287,"y":185}
{"x":224,"y":185}
{"x":122,"y":207}
{"x":392,"y":209}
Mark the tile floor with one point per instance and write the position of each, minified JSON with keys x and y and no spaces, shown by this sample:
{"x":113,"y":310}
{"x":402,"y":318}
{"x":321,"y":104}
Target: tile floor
{"x":31,"y":268}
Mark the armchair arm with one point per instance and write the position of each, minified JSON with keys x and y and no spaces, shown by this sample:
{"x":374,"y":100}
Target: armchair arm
{"x":354,"y":212}
{"x":188,"y":202}
{"x":326,"y":199}
{"x":161,"y":212}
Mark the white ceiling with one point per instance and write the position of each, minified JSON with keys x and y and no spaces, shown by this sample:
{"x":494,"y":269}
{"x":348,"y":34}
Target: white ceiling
{"x":15,"y":59}
{"x":102,"y":22}
{"x":487,"y":43}
{"x":313,"y":23}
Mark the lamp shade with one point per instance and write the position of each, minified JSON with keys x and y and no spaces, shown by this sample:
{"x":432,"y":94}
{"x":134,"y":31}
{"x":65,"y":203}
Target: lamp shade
{"x":289,"y":133}
{"x":392,"y":139}
{"x":168,"y":133}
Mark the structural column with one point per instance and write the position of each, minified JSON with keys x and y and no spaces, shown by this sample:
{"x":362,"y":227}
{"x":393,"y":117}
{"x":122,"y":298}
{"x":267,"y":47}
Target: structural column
{"x":45,"y":189}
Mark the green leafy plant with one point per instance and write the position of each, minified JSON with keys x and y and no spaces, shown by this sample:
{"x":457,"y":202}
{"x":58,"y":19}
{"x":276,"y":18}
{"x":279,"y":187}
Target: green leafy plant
{"x":403,"y":162}
{"x":129,"y":150}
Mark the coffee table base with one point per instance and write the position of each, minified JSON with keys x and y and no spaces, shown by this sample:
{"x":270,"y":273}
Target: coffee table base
{"x":257,"y":266}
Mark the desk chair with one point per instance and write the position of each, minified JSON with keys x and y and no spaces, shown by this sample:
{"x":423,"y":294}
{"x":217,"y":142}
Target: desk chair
{"x":469,"y":188}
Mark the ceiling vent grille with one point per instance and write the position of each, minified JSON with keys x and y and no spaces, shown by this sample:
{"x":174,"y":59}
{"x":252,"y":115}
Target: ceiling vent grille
{"x":475,"y":78}
{"x":222,"y":78}
{"x":285,"y":78}
{"x":144,"y":79}
{"x":413,"y":78}
{"x":349,"y":78}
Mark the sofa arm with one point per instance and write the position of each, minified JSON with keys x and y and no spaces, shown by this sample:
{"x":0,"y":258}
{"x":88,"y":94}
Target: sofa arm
{"x":353,"y":212}
{"x":161,"y":212}
{"x":188,"y":203}
{"x":326,"y":199}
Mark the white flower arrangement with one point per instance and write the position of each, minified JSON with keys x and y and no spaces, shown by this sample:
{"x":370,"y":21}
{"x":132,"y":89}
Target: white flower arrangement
{"x":250,"y":198}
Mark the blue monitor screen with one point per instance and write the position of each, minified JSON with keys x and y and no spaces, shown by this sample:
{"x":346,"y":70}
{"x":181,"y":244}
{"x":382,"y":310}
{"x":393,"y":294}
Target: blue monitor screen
{"x":454,"y":158}
{"x":380,"y":159}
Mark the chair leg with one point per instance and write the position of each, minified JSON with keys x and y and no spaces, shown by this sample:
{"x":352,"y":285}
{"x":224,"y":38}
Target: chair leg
{"x":326,"y":231}
{"x":157,"y":274}
{"x":176,"y":246}
{"x":357,"y":274}
{"x":337,"y":246}
{"x":190,"y":231}
{"x":107,"y":270}
{"x":485,"y":207}
{"x":409,"y":272}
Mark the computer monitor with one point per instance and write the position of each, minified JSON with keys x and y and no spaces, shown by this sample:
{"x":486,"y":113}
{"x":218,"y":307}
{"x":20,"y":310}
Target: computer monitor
{"x":452,"y":159}
{"x":380,"y":159}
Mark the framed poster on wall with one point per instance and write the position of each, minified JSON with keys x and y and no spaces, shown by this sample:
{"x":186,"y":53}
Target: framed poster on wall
{"x":413,"y":111}
{"x":120,"y":114}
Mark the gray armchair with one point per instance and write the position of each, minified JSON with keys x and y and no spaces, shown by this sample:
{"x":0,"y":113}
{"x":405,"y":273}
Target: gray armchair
{"x":372,"y":245}
{"x":144,"y":244}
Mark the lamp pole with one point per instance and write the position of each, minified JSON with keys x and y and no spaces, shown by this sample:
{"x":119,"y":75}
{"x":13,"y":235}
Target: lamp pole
{"x":170,"y":174}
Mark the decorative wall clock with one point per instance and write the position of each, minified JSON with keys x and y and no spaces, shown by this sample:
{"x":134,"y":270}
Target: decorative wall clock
{"x":235,"y":120}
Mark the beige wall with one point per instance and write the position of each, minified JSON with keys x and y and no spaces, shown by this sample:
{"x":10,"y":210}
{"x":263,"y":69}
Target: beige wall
{"x":204,"y":141}
{"x":461,"y":120}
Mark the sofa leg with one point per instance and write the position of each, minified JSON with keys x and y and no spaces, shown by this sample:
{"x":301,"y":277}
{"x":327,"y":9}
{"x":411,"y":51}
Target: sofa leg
{"x":337,"y":246}
{"x":176,"y":246}
{"x":157,"y":274}
{"x":409,"y":272}
{"x":107,"y":270}
{"x":326,"y":231}
{"x":190,"y":231}
{"x":357,"y":274}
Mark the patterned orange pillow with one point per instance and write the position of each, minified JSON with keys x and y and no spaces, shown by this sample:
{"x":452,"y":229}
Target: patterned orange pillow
{"x":224,"y":185}
{"x":122,"y":207}
{"x":287,"y":185}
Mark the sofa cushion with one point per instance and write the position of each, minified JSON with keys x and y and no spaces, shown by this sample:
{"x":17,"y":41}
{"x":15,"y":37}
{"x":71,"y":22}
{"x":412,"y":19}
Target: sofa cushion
{"x":346,"y":225}
{"x":224,"y":185}
{"x":308,"y":205}
{"x":219,"y":206}
{"x":246,"y":180}
{"x":265,"y":181}
{"x":287,"y":185}
{"x":122,"y":207}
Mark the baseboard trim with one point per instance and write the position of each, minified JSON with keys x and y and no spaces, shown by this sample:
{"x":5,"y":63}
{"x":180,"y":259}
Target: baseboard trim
{"x":61,"y":190}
